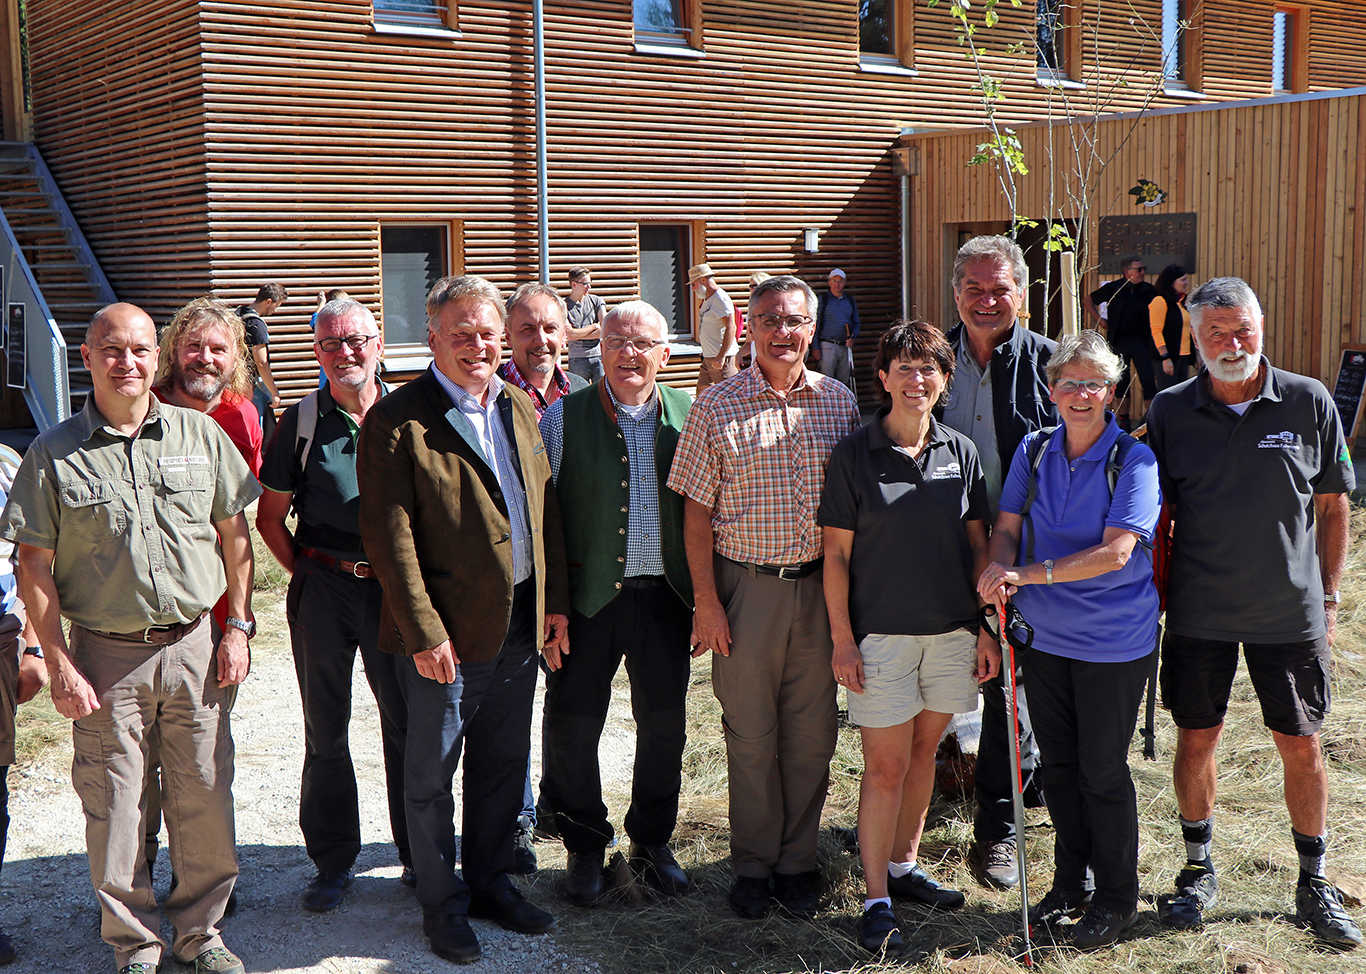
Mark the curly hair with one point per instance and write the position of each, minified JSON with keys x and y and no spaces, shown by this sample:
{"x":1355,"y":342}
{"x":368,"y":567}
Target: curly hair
{"x":192,"y":319}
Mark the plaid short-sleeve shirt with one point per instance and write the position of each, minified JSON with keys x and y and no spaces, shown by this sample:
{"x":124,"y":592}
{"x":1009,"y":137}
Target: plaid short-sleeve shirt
{"x":758,"y":461}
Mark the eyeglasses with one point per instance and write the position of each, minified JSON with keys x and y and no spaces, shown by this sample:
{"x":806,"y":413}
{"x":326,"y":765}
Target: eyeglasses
{"x":584,"y":283}
{"x":353,"y":342}
{"x":641,"y":346}
{"x":1071,"y":387}
{"x":774,"y":322}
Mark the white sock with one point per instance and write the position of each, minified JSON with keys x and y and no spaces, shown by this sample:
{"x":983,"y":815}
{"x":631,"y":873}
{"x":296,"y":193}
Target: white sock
{"x":899,"y":869}
{"x":869,"y":904}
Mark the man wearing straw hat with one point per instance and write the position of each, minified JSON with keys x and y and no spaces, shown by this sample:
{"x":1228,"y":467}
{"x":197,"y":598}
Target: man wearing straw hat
{"x":717,"y":332}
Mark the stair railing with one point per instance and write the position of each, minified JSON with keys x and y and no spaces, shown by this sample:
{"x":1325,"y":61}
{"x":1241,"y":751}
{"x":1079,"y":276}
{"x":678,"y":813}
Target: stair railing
{"x":47,"y":388}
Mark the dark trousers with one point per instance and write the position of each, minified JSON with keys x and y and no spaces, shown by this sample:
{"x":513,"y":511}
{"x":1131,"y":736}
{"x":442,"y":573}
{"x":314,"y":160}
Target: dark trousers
{"x":1084,"y":717}
{"x":1180,"y":371}
{"x":331,"y":615}
{"x":648,"y":624}
{"x":1143,"y":365}
{"x":488,"y":711}
{"x":995,"y":790}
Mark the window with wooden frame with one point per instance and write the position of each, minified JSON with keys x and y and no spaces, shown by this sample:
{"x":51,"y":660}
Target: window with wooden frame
{"x":1058,"y":41}
{"x":1181,"y":62}
{"x":1290,"y":49}
{"x":668,"y":23}
{"x":886,"y":34}
{"x":416,"y":15}
{"x":412,"y":257}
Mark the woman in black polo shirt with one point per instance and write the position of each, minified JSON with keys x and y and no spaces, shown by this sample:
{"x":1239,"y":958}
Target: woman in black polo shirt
{"x":904,"y":519}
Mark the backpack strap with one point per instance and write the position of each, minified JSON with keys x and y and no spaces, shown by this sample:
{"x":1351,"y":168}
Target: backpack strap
{"x":304,"y":435}
{"x":1114,"y":465}
{"x":1035,"y":456}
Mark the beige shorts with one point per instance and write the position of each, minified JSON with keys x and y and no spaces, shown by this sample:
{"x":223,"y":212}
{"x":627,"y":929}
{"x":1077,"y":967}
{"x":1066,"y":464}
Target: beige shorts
{"x":903,"y":675}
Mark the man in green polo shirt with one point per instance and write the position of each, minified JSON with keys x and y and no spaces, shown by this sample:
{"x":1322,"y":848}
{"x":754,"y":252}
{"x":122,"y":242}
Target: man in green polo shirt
{"x":334,"y":597}
{"x":118,"y":514}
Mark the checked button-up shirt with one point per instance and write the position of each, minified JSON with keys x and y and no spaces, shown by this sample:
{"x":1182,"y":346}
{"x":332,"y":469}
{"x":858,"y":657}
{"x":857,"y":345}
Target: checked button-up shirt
{"x":758,"y":461}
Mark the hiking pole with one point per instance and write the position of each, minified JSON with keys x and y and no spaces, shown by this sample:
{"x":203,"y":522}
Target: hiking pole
{"x":1010,"y":617}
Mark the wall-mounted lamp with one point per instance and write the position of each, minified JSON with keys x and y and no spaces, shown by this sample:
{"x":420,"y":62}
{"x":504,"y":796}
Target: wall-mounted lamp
{"x":812,"y":236}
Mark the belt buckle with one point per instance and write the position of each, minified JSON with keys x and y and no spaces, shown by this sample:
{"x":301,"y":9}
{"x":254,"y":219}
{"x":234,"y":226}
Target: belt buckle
{"x":783,"y":573}
{"x":358,"y":565}
{"x":147,"y":635}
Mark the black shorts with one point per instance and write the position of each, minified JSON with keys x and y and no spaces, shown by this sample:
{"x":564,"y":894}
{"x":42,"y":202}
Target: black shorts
{"x":1291,"y":680}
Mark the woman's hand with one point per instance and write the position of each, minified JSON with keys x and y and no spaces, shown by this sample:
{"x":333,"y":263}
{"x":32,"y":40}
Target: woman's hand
{"x":1167,"y":366}
{"x":847,"y":663}
{"x":998,"y":583}
{"x":988,"y":656}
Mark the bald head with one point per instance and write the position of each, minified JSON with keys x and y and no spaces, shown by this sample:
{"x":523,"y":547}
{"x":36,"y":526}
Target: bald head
{"x":119,"y":313}
{"x":121,"y":353}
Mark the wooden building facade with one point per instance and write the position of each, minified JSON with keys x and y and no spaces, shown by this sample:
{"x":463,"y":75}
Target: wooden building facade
{"x":213,"y":145}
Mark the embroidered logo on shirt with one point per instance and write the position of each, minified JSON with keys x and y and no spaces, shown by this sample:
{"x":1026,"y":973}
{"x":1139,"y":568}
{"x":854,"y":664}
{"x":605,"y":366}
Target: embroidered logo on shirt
{"x":185,"y":461}
{"x":1284,"y":440}
{"x":950,"y":471}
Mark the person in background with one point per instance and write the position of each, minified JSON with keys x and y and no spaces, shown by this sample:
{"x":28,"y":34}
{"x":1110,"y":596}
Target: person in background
{"x":1171,"y":326}
{"x":267,"y":395}
{"x":904,"y":517}
{"x":1126,"y":325}
{"x":837,"y":325}
{"x":716,"y":331}
{"x":584,"y":312}
{"x":746,"y":338}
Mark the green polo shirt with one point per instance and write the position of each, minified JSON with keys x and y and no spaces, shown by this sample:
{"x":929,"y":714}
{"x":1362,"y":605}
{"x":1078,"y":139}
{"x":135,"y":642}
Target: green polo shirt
{"x":131,"y":519}
{"x":326,"y":495}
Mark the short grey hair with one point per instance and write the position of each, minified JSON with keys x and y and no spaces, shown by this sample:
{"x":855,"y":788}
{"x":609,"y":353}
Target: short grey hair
{"x":1001,"y":250}
{"x":639,"y":310}
{"x":782,"y":285}
{"x":450,"y":289}
{"x":345,"y":308}
{"x":1222,"y":292}
{"x":535,"y":289}
{"x":1087,"y":348}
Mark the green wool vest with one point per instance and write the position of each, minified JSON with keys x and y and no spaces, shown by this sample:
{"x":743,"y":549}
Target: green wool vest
{"x":595,"y":495}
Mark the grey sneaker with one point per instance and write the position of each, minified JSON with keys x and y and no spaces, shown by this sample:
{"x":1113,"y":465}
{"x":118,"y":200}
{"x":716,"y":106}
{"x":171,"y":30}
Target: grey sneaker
{"x":138,"y":968}
{"x":1197,"y":889}
{"x":218,"y":960}
{"x":1319,"y":907}
{"x":523,"y":855}
{"x":1000,"y":867}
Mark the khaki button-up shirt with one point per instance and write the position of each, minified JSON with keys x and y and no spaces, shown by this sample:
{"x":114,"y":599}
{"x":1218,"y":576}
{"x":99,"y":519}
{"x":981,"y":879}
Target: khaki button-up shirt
{"x":131,"y":519}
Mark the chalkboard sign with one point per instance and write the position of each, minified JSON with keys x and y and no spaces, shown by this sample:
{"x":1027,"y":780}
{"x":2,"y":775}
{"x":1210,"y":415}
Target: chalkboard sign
{"x":1348,"y":390}
{"x":15,"y":361}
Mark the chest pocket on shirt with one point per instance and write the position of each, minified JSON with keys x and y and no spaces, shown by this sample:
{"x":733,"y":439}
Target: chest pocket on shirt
{"x":94,"y":509}
{"x":186,"y":490}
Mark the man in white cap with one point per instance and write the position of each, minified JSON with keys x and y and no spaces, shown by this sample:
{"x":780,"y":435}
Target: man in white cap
{"x":837,"y":326}
{"x":717,"y":332}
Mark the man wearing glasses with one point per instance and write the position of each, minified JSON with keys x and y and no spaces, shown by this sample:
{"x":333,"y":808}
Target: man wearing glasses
{"x":751,"y":465}
{"x":610,"y":448}
{"x":334,"y":597}
{"x":584,"y":312}
{"x":1126,"y":326}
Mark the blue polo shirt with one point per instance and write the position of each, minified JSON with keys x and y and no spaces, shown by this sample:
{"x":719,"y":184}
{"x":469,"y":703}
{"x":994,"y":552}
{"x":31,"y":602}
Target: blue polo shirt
{"x":1111,"y":618}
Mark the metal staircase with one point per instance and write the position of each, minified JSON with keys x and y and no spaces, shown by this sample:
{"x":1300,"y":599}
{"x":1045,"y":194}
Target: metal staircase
{"x":50,"y":267}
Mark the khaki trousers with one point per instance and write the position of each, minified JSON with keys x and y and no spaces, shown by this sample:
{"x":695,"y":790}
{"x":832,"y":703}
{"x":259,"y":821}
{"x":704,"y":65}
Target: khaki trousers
{"x":171,"y":690}
{"x":777,"y":694}
{"x":708,"y":375}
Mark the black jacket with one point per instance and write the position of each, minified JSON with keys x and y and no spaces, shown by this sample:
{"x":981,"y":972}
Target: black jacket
{"x":1019,"y":388}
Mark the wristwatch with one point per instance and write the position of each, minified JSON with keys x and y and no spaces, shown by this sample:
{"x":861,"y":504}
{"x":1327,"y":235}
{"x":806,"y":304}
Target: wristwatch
{"x":33,"y":651}
{"x":247,"y":627}
{"x":1048,"y":571}
{"x":1333,"y":597}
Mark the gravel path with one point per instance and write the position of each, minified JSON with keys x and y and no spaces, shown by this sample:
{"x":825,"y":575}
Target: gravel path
{"x":50,"y":910}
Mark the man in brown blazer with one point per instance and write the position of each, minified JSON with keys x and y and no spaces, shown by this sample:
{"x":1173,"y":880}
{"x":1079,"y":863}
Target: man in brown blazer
{"x":459,"y":519}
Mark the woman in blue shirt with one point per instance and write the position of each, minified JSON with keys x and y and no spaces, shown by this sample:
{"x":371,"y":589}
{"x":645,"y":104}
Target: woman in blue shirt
{"x":1075,"y":563}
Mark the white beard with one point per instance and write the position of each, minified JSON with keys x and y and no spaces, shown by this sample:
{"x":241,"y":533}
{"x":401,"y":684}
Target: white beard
{"x":1240,"y":369}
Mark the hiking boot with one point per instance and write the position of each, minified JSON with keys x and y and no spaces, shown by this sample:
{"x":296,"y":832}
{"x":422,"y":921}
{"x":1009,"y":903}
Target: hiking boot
{"x":218,"y":960}
{"x":1197,"y":889}
{"x":798,"y":893}
{"x":7,"y":950}
{"x":138,"y":968}
{"x":523,"y":855}
{"x":659,"y":867}
{"x":749,"y":897}
{"x":918,"y":886}
{"x":1100,"y":927}
{"x":999,"y":865}
{"x":879,"y":931}
{"x":1318,"y":906}
{"x":1060,"y":904}
{"x":583,"y":880}
{"x":324,"y":894}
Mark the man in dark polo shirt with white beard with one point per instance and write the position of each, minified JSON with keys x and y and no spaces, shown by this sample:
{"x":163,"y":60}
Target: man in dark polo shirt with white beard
{"x":1257,"y":472}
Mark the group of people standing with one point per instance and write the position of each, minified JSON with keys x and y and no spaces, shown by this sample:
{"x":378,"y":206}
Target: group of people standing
{"x":489,"y":517}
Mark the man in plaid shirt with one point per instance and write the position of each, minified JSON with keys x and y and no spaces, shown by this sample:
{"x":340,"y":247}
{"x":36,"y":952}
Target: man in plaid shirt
{"x":751,"y":464}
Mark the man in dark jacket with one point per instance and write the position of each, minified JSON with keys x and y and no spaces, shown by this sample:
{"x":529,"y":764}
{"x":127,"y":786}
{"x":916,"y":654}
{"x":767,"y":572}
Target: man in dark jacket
{"x":999,"y":394}
{"x":1126,"y":325}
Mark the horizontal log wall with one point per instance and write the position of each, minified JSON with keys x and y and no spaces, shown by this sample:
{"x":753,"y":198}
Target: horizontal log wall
{"x":238,"y":142}
{"x":1279,"y":189}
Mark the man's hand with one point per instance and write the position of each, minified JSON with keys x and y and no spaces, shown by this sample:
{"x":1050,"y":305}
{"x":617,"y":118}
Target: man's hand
{"x":718,"y":363}
{"x":32,"y":677}
{"x":234,"y":657}
{"x":848,"y":343}
{"x":1330,"y":610}
{"x":555,"y":639}
{"x":988,"y":656}
{"x":72,"y":694}
{"x":710,"y":629}
{"x":438,"y":663}
{"x":815,"y":351}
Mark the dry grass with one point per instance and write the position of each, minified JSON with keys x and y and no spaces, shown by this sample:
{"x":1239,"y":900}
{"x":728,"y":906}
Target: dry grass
{"x":1250,"y":931}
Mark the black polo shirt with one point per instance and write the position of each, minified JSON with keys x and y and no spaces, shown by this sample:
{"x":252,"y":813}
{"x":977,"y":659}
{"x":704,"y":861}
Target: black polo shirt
{"x":1245,"y":563}
{"x":910,"y":572}
{"x":1126,"y":318}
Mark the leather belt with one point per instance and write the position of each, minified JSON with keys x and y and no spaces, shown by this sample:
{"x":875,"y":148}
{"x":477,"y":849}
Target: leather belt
{"x":156,"y":635}
{"x":361,"y":569}
{"x":788,"y":573}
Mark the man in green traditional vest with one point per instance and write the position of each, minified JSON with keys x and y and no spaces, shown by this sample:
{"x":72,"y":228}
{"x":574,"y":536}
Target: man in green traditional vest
{"x":610,"y":448}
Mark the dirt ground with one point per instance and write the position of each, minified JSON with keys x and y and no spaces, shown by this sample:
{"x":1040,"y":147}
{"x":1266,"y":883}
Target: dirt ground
{"x":50,"y":911}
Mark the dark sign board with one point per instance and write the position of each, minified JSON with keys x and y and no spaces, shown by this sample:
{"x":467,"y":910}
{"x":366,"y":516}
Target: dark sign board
{"x":14,"y":346}
{"x":1159,"y":238}
{"x":1350,"y":386}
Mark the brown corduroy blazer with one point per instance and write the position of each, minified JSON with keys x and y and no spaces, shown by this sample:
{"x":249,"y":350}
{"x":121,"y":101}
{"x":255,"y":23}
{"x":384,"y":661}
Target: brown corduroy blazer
{"x":436,"y":527}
